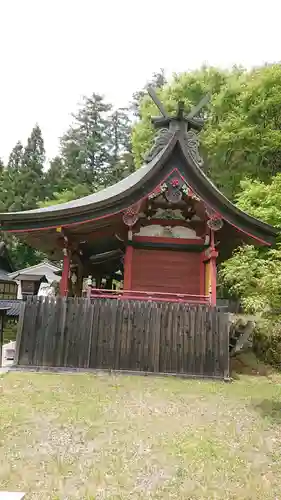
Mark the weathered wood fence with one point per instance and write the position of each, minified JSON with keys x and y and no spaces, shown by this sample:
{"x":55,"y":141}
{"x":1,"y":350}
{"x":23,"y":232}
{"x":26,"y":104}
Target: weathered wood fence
{"x":123,"y":335}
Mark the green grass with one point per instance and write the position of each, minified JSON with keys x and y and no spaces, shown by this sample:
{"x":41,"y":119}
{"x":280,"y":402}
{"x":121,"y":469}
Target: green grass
{"x":83,"y":436}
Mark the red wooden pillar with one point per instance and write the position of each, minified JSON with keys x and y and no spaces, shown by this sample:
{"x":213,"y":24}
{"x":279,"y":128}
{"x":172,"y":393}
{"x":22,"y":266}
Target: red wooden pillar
{"x":128,"y":261}
{"x":213,"y":270}
{"x":65,"y":273}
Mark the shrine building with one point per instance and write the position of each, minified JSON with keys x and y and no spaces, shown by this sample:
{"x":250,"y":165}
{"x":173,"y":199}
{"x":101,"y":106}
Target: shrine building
{"x":160,"y":232}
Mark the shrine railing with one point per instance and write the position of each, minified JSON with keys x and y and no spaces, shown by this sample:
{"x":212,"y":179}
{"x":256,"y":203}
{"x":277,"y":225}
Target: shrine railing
{"x":147,"y":295}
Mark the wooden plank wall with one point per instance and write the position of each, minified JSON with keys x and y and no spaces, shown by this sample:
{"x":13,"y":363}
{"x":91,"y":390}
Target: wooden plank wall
{"x":166,"y":271}
{"x":124,"y":335}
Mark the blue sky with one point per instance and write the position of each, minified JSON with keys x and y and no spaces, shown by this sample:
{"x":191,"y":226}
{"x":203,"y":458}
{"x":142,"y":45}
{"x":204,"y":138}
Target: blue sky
{"x":55,"y":51}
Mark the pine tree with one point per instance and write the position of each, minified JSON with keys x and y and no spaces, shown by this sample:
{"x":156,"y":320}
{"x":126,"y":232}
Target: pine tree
{"x":54,"y":179}
{"x":9,"y":178}
{"x":85,"y":146}
{"x":15,"y":158}
{"x":1,"y":166}
{"x":95,"y":144}
{"x":29,"y":189}
{"x":121,"y":158}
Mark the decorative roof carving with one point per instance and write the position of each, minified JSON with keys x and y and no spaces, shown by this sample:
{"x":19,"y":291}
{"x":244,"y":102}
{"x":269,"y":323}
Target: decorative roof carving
{"x":170,"y":124}
{"x":160,"y":141}
{"x":192,"y":142}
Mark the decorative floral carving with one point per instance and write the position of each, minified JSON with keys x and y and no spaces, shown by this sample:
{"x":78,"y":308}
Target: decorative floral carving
{"x":157,"y":191}
{"x":175,"y":182}
{"x":168,"y":213}
{"x":187,"y":191}
{"x":131,"y":215}
{"x":173,"y":191}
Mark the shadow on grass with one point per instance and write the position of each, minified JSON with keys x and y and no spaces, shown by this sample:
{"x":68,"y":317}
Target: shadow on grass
{"x":270,"y":409}
{"x":246,"y":363}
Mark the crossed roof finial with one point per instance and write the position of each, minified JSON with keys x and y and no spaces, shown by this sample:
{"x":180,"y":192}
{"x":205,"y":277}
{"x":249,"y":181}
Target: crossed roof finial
{"x":190,"y":119}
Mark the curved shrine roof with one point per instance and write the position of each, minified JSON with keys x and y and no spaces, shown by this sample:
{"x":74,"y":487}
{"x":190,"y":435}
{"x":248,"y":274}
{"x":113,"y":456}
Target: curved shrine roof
{"x":115,"y":199}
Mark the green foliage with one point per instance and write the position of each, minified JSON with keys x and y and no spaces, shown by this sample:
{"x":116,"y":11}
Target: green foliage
{"x":55,"y":180}
{"x":261,"y":200}
{"x":22,"y":188}
{"x":241,"y":136}
{"x":267,"y":341}
{"x":21,"y":254}
{"x":67,"y":195}
{"x":29,"y":182}
{"x":254,"y":274}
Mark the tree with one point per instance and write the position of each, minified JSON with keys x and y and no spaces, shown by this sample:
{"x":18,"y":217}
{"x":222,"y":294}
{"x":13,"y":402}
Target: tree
{"x":121,"y":161}
{"x":29,"y":185}
{"x":54,"y":179}
{"x":67,"y":195}
{"x":95,"y":144}
{"x":254,"y":274}
{"x":10,"y":176}
{"x":16,"y":157}
{"x":85,"y":146}
{"x":241,"y":136}
{"x":21,"y":254}
{"x":21,"y":189}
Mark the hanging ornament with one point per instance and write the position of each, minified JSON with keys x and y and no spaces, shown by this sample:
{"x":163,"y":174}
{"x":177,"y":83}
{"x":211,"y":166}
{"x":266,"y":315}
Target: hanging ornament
{"x":215,"y":224}
{"x":131,"y":215}
{"x":215,"y":221}
{"x":74,"y":278}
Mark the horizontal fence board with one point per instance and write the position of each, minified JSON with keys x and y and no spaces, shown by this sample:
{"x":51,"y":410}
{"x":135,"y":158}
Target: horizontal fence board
{"x":124,"y":335}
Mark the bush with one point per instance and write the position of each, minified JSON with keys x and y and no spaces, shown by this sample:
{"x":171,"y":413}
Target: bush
{"x":267,"y":341}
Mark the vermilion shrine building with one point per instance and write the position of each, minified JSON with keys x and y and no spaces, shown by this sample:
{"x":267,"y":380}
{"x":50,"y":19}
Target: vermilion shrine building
{"x":161,"y":231}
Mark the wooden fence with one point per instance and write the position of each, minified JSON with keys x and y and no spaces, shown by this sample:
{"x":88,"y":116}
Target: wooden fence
{"x":123,"y":335}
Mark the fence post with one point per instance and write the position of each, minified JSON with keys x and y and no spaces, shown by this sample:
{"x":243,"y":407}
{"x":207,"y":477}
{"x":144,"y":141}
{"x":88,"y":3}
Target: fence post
{"x":19,"y":332}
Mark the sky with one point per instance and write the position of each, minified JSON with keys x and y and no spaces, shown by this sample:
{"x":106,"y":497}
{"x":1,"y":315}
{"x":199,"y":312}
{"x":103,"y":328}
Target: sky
{"x":52,"y":52}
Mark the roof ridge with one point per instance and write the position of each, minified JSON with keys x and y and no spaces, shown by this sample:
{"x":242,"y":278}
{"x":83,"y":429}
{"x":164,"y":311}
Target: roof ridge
{"x":45,"y":261}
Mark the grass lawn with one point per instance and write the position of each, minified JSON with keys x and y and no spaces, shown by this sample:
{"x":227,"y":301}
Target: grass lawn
{"x":85,"y":436}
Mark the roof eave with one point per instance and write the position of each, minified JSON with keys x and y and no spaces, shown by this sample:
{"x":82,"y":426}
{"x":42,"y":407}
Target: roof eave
{"x":21,"y":221}
{"x":231,"y":213}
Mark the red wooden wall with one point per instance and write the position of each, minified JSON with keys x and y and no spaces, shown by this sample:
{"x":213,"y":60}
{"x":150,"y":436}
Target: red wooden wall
{"x":169,"y":271}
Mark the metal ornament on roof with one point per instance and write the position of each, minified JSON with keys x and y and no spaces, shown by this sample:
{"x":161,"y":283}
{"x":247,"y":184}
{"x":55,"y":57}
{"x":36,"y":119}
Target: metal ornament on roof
{"x":168,"y":124}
